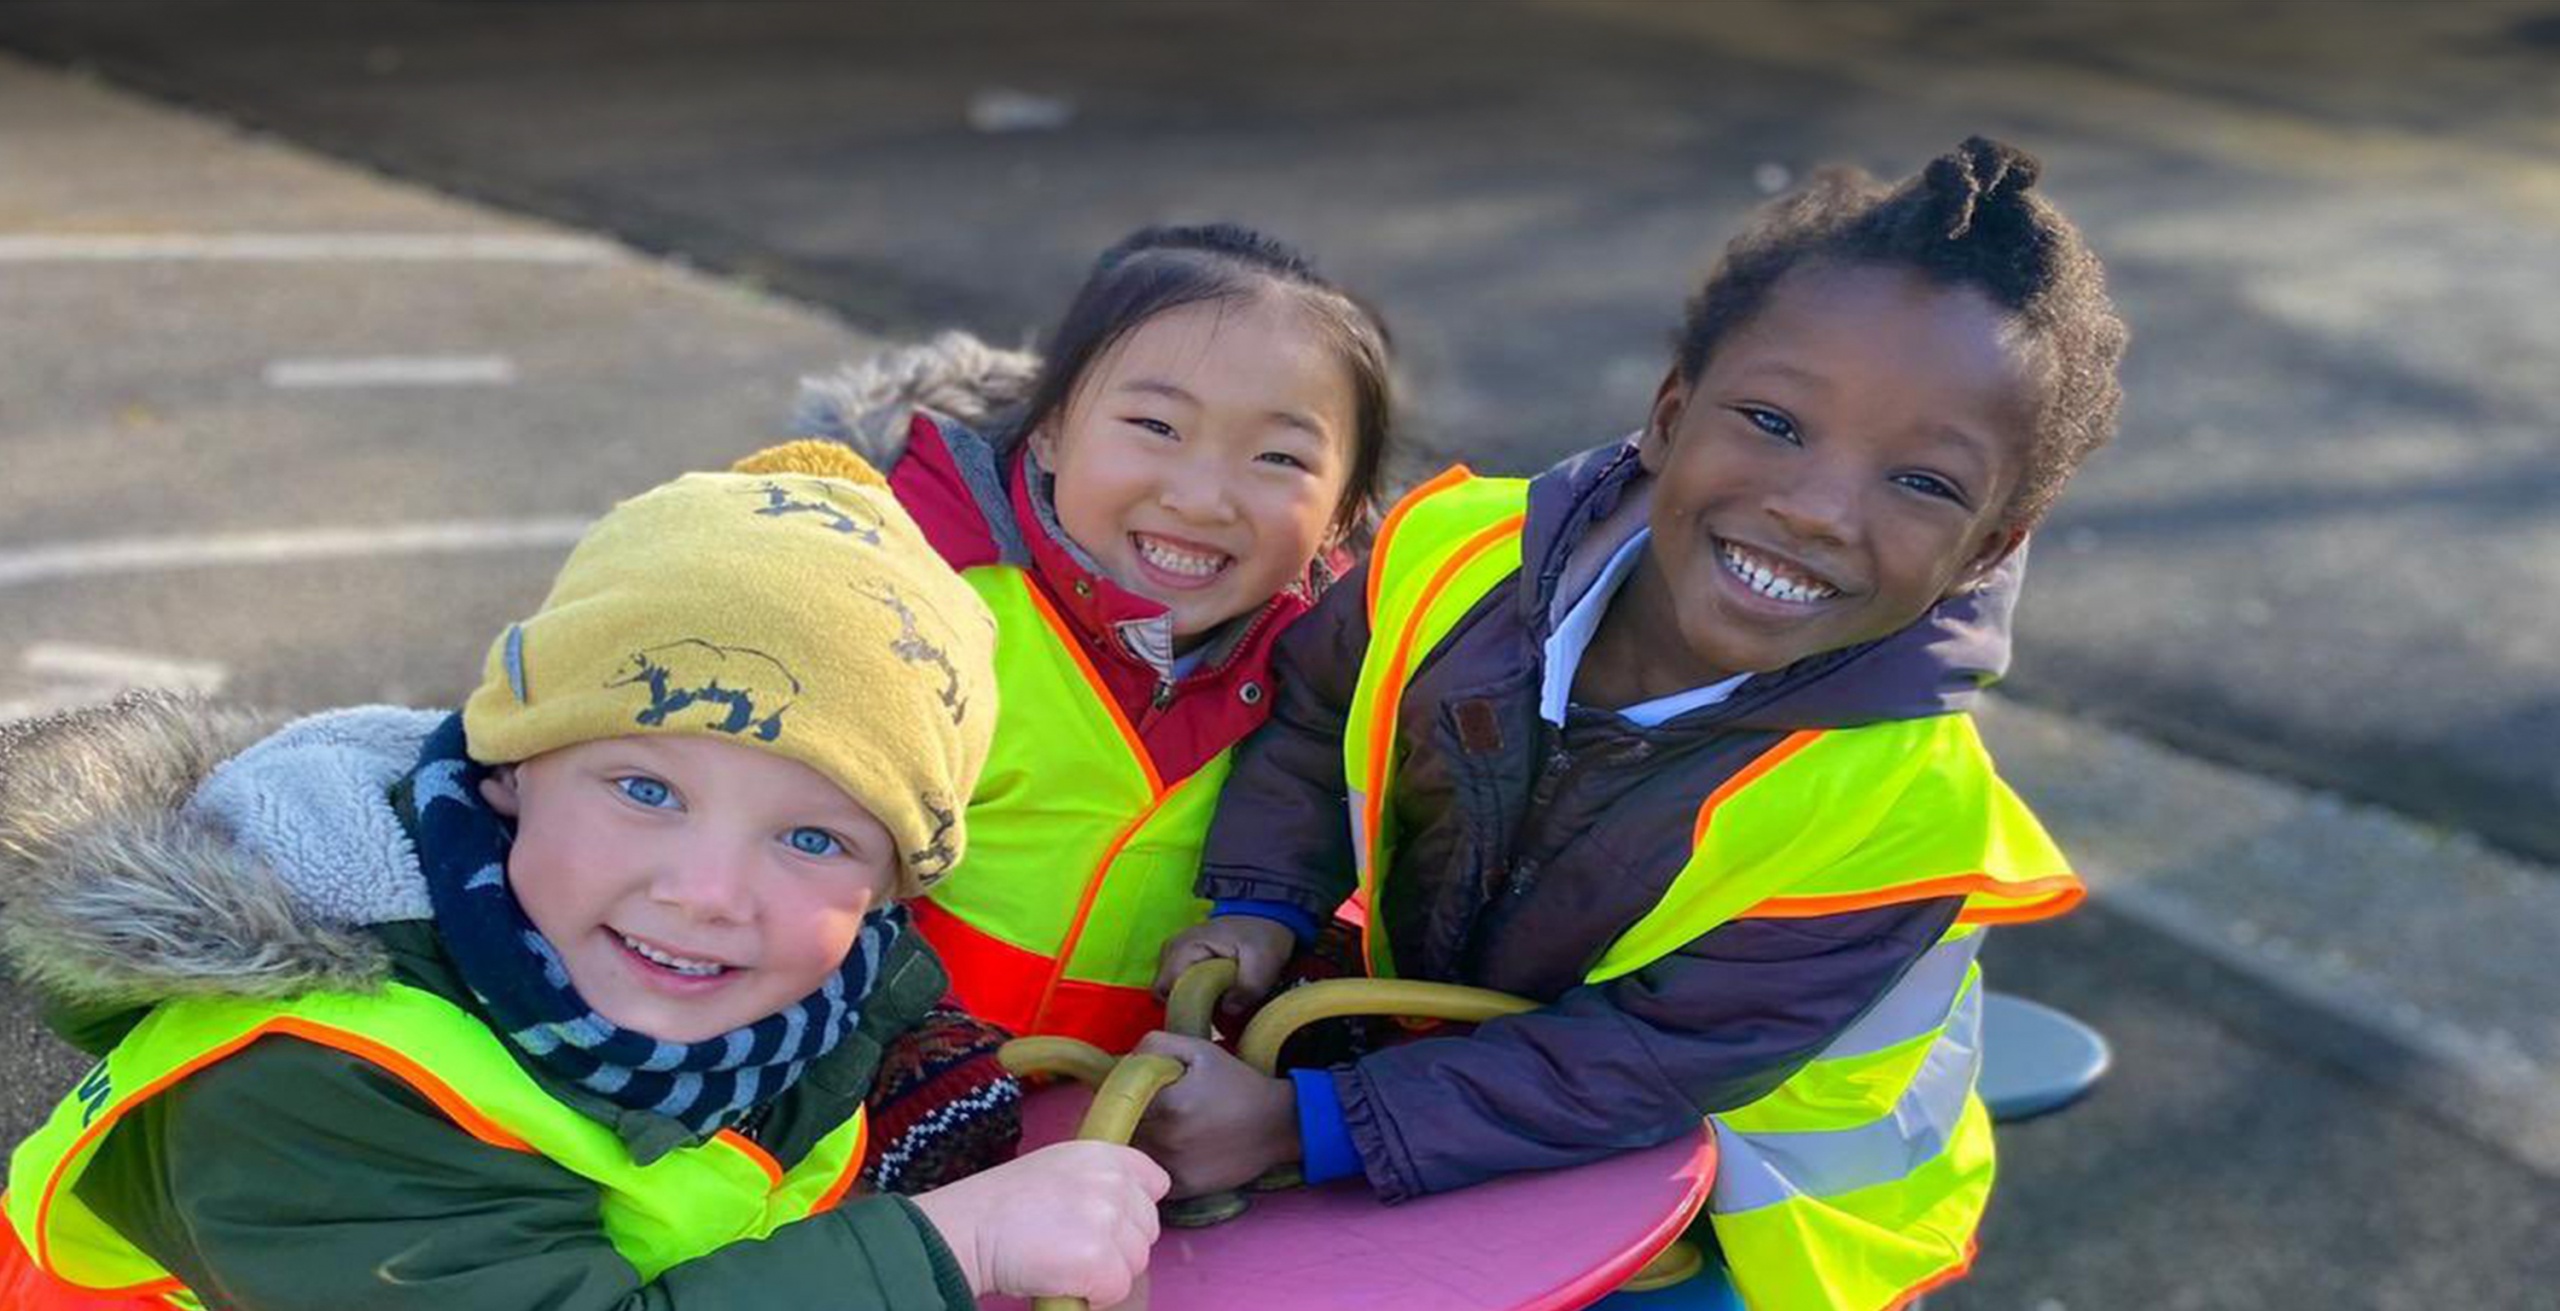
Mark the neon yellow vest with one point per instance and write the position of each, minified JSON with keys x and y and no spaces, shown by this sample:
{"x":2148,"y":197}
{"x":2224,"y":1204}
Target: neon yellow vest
{"x":686,"y":1204}
{"x":1081,"y":859}
{"x":1859,"y":1182}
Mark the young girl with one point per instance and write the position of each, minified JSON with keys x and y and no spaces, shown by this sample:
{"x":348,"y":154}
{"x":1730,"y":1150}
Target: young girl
{"x":1672,"y":739}
{"x":1145,"y":513}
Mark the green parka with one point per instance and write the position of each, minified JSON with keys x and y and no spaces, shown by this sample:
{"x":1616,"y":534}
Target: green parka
{"x":291,"y":1175}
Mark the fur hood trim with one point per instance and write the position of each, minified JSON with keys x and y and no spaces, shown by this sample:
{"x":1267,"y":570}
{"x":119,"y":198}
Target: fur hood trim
{"x":116,"y":891}
{"x":868,"y":404}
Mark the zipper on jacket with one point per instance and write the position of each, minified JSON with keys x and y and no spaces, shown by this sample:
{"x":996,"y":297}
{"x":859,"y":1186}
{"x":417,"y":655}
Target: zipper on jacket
{"x":1157,"y":704}
{"x":1553,"y":772}
{"x":1168,"y":689}
{"x":1524,"y":876}
{"x":1551,"y":775}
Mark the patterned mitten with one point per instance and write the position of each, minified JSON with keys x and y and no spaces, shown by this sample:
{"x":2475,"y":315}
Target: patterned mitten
{"x":941,"y":1108}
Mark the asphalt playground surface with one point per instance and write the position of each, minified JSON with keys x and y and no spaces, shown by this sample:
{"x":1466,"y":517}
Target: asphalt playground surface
{"x":2314,"y":551}
{"x":2309,"y":569}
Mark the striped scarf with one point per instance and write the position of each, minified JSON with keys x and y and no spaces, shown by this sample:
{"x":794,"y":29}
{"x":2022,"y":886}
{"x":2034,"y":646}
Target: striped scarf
{"x":519,"y":978}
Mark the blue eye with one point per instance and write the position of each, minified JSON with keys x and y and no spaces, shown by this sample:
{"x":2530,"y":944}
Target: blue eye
{"x":646,"y":791}
{"x":1769,"y":421}
{"x":1929,"y":484}
{"x":814,"y":842}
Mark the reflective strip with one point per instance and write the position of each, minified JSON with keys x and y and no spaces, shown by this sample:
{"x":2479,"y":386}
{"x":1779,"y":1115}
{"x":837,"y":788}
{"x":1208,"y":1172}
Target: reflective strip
{"x":1004,"y":984}
{"x":1919,"y":1003}
{"x":1419,"y":589}
{"x":1759,"y":1170}
{"x":1841,"y":1087}
{"x":1869,"y":1250}
{"x":1989,"y":900}
{"x":1069,"y":891}
{"x":852,"y":1172}
{"x":1356,"y":798}
{"x":26,"y":1286}
{"x":1748,"y":775}
{"x":455,"y":1106}
{"x":1912,"y":811}
{"x":1065,"y":638}
{"x":679,"y":1207}
{"x":1449,"y":477}
{"x":746,"y":1147}
{"x":1084,"y":910}
{"x":1390,"y":699}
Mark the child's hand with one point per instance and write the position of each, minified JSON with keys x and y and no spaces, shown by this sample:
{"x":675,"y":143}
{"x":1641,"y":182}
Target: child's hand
{"x":1222,"y":1123}
{"x":1070,"y":1220}
{"x":1259,"y":947}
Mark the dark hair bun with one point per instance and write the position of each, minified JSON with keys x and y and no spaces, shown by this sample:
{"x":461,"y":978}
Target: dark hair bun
{"x":1974,"y":181}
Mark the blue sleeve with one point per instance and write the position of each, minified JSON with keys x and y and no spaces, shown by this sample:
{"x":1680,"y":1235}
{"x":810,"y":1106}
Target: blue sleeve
{"x":1325,"y":1148}
{"x":1298,"y":919}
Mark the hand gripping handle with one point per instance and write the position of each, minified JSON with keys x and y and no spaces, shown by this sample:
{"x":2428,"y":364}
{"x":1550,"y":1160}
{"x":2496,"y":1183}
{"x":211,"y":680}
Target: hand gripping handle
{"x":1123,"y":1087}
{"x":1330,"y":998}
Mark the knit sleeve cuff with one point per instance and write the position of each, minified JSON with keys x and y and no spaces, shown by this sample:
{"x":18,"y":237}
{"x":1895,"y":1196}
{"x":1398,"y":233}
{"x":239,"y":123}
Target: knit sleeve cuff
{"x":1325,"y":1148}
{"x":948,"y":1278}
{"x":1296,"y":917}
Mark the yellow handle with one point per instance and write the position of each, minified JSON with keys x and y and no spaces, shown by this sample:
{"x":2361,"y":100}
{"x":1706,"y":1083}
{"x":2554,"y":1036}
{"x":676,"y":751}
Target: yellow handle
{"x":1117,"y":1107}
{"x":1122,"y":1099}
{"x":1187,"y":1011}
{"x":1294,"y":1010}
{"x":1331,"y":998}
{"x":1124,"y":1088}
{"x":1051,"y":1054}
{"x":1193,"y":1002}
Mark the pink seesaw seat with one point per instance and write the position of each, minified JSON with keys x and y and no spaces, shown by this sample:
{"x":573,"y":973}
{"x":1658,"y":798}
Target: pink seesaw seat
{"x":1546,"y":1241}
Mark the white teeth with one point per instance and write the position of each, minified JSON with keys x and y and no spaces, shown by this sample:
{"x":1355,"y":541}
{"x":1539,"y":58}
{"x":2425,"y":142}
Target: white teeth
{"x":1176,"y":561}
{"x":679,"y":964}
{"x":1767,"y":581}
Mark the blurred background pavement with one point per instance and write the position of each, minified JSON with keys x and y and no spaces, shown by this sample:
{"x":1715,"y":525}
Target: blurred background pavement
{"x":307,"y":427}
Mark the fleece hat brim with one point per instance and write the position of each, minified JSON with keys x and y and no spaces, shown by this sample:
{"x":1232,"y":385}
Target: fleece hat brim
{"x":793,"y":607}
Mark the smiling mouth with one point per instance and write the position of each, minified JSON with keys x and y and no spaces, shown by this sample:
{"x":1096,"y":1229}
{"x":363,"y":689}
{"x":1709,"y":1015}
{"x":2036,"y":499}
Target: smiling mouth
{"x":1183,"y":564}
{"x":1771,"y":578}
{"x":669,"y":961}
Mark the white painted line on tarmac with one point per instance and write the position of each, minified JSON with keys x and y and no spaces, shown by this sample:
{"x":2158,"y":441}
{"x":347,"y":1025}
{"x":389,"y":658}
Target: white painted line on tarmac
{"x":392,"y":371}
{"x":80,"y":662}
{"x":305,"y":247}
{"x":145,"y":555}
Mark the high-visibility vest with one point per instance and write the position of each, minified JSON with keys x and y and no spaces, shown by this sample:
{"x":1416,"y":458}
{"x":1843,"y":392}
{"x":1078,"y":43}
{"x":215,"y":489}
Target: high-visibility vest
{"x":1081,"y":857}
{"x":686,"y":1204}
{"x":1858,"y":1183}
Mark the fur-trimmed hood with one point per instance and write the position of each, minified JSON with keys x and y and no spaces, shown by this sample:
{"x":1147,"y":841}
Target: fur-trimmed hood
{"x":157,"y":847}
{"x":867,"y":404}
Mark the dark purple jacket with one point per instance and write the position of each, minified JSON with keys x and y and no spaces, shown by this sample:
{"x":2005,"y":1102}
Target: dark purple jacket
{"x":1526,"y":850}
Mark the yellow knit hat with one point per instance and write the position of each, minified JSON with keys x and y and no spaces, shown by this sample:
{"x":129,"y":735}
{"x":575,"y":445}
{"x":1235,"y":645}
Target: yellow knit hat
{"x":790,"y":605}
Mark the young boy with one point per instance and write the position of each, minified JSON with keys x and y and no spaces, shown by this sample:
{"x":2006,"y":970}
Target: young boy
{"x":571,"y":999}
{"x":1671,"y":740}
